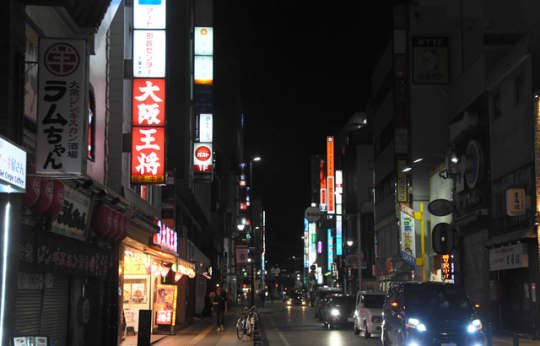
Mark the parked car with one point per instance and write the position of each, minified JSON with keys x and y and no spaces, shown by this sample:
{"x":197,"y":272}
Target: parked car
{"x":338,"y":310}
{"x":429,"y":313}
{"x":368,"y":313}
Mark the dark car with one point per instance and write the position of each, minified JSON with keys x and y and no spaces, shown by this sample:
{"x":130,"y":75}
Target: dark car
{"x":320,"y":296}
{"x":295,"y":298}
{"x":429,"y":313}
{"x":338,"y":310}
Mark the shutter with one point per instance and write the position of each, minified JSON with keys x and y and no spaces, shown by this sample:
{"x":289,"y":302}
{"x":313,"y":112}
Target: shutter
{"x":54,"y":314}
{"x":27,"y":304}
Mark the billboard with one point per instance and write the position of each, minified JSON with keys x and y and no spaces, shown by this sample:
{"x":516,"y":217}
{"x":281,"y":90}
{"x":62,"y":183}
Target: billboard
{"x":205,"y":127}
{"x":149,"y":53}
{"x":61,"y":143}
{"x":202,"y":157}
{"x":148,"y":103}
{"x":147,"y":155}
{"x":149,"y":14}
{"x":204,"y":70}
{"x":204,"y":40}
{"x":330,"y":249}
{"x":330,"y":173}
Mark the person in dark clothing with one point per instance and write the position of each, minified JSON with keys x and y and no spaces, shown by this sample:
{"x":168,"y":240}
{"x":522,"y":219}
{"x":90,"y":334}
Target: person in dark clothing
{"x":219,"y":306}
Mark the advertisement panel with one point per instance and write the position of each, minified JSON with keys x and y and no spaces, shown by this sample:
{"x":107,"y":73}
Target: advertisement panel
{"x":202,"y":157}
{"x":204,"y":70}
{"x":149,"y":14}
{"x":205,"y":128}
{"x":312,"y":242}
{"x":166,"y":238}
{"x":204,"y":40}
{"x":149,"y":53}
{"x":147,"y":155}
{"x":306,"y":243}
{"x":12,"y":167}
{"x":74,"y":218}
{"x":61,"y":147}
{"x":148,"y":103}
{"x":330,"y":173}
{"x":407,"y":240}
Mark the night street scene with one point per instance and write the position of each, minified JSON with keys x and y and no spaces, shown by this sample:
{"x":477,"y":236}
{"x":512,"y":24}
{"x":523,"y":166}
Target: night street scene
{"x":282,"y":172}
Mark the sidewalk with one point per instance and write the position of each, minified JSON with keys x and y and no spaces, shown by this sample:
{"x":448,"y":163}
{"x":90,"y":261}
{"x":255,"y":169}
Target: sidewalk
{"x":507,"y":340}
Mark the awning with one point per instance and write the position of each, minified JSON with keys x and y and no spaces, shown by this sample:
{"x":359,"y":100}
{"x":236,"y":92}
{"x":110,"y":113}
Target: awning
{"x":512,"y":236}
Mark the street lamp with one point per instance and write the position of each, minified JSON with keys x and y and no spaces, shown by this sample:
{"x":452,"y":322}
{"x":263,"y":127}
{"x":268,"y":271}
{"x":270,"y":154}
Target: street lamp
{"x":350,"y":243}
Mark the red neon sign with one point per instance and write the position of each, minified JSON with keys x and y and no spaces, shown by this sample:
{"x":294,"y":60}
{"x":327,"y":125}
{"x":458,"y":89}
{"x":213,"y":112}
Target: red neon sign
{"x":147,"y":154}
{"x":166,"y":238}
{"x":148,"y":106}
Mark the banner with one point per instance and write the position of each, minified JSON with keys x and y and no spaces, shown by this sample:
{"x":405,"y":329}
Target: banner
{"x":61,"y":147}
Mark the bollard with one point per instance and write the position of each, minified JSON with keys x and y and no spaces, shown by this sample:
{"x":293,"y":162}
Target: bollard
{"x":516,"y":339}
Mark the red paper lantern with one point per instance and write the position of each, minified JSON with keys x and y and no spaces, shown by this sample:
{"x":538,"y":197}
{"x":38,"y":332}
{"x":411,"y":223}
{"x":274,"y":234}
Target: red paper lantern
{"x":57,"y":203}
{"x":46,"y":195}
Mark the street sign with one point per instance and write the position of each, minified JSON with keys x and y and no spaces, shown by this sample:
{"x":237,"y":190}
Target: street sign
{"x":441,"y":207}
{"x":444,"y":238}
{"x":312,"y":214}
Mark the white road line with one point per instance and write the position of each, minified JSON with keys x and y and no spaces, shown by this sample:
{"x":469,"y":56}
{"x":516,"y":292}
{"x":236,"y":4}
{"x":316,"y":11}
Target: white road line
{"x":282,"y":337}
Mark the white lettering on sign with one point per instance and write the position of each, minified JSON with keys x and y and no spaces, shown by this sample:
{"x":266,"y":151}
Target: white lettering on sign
{"x":167,"y":237}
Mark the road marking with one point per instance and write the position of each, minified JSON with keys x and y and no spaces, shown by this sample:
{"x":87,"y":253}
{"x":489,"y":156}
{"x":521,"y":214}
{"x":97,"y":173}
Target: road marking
{"x":282,"y":337}
{"x":201,"y":335}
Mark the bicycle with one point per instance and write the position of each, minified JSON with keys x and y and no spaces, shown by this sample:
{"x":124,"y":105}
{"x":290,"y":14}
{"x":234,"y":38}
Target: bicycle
{"x":246,"y":322}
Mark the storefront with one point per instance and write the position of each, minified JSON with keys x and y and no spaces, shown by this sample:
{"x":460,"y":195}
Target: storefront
{"x":151,"y":274}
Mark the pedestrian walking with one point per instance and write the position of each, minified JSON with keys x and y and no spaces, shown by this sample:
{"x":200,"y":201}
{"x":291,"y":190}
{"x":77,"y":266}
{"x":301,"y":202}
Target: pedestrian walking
{"x":219,"y":306}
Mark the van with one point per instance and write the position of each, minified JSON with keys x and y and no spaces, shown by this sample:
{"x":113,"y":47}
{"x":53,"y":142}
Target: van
{"x":368,"y":313}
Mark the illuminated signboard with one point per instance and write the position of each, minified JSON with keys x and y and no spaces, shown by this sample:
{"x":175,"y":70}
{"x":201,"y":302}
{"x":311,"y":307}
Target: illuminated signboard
{"x":313,"y":242}
{"x":147,"y":155}
{"x":149,"y":53}
{"x":149,"y":14}
{"x":205,"y":128}
{"x":165,"y":304}
{"x":12,"y":167}
{"x":204,"y":40}
{"x":202,"y":157}
{"x":323,"y":187}
{"x":62,"y":113}
{"x":319,"y":247}
{"x":167,"y":237}
{"x":447,"y":267}
{"x":306,"y":243}
{"x":204,"y":70}
{"x":330,"y":249}
{"x":330,"y":173}
{"x":148,"y":103}
{"x":407,"y":235}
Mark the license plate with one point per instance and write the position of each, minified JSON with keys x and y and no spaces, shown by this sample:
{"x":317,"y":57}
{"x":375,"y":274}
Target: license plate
{"x":350,"y":319}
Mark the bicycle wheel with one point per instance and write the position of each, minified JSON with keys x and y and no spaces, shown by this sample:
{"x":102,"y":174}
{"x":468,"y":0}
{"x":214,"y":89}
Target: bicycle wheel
{"x":239,"y":329}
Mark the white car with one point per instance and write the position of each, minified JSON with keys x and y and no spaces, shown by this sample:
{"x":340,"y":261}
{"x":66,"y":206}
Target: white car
{"x":368,"y":313}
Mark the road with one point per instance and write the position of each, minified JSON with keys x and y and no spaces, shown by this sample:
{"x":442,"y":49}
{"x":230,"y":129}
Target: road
{"x":297,"y":326}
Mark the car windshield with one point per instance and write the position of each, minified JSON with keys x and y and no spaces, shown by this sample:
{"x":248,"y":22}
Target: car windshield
{"x":373,"y":301}
{"x":445,"y":298}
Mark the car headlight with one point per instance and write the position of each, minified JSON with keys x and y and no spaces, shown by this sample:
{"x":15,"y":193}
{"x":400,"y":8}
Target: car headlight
{"x":334,"y":312}
{"x":416,"y":324}
{"x":474,"y":326}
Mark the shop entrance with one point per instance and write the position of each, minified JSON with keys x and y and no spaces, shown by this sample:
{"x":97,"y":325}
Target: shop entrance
{"x":515,"y":308}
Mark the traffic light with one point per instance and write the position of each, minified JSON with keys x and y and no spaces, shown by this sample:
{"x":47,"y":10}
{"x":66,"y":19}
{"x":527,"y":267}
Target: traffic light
{"x":444,"y":239}
{"x":277,"y":285}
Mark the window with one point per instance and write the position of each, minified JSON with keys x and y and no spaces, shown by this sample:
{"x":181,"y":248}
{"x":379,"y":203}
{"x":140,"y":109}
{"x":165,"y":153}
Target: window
{"x":91,"y":123}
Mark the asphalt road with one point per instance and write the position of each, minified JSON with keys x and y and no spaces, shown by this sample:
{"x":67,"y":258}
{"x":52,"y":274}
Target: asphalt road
{"x":297,"y":326}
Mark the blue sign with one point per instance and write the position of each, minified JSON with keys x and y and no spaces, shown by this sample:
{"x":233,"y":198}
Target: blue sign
{"x":149,"y":2}
{"x":339,"y":236}
{"x":330,"y":249}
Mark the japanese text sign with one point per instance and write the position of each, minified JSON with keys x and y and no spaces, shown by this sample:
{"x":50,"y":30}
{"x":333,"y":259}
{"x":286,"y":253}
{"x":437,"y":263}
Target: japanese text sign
{"x":12,"y":167}
{"x":62,"y":107}
{"x":330,"y":173}
{"x":147,"y":155}
{"x":149,"y":53}
{"x":149,"y":14}
{"x":148,"y":106}
{"x":167,"y":237}
{"x":204,"y":40}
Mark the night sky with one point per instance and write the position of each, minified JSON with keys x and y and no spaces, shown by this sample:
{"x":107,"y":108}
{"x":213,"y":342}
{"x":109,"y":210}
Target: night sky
{"x":303,"y":70}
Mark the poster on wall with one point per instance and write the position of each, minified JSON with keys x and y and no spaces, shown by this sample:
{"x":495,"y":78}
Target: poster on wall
{"x":407,"y":235}
{"x":165,"y":305}
{"x":61,"y":143}
{"x":430,"y":60}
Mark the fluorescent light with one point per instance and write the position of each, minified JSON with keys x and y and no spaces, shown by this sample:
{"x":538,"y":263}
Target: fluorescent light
{"x":4,"y":268}
{"x":406,"y":169}
{"x":420,"y":159}
{"x":257,"y":158}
